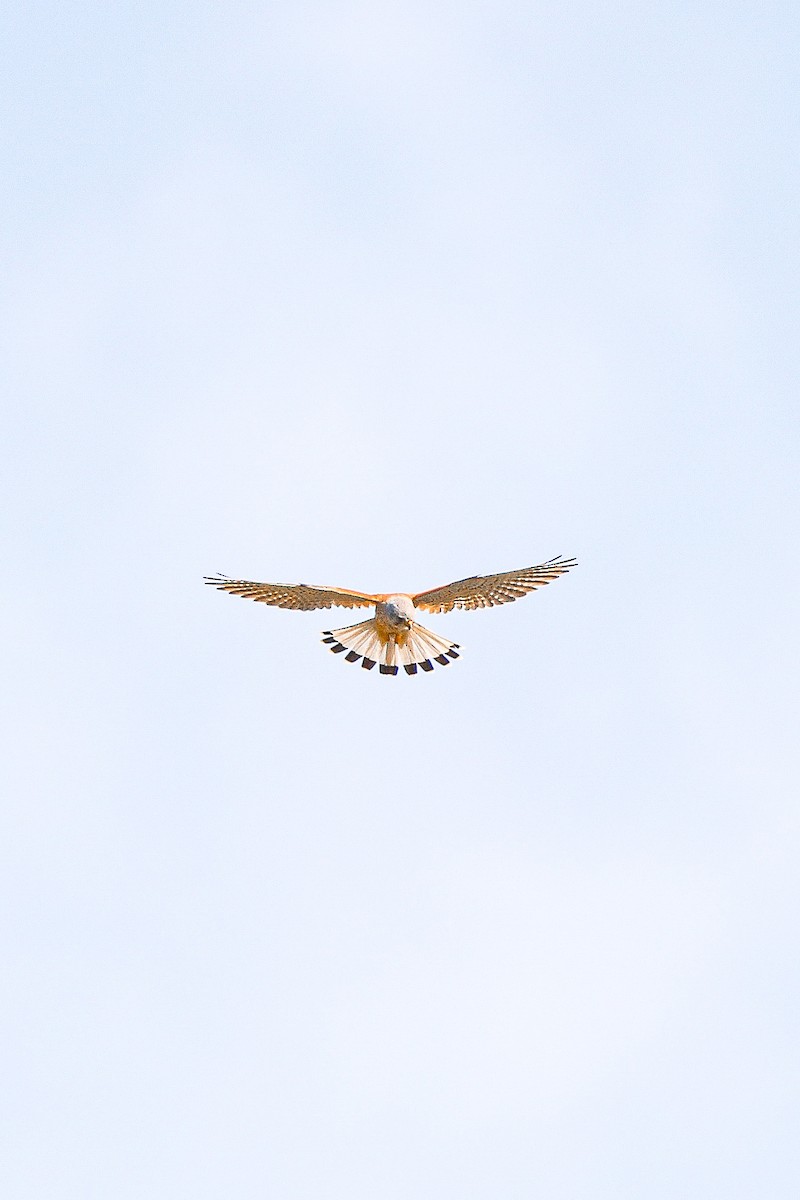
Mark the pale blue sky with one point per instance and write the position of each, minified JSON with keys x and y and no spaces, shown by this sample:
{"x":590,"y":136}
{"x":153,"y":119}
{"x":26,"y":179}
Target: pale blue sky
{"x":382,"y":297}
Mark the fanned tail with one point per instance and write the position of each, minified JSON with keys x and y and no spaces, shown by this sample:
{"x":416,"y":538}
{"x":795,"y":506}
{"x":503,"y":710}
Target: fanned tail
{"x":418,"y":647}
{"x":423,"y":648}
{"x":360,"y":641}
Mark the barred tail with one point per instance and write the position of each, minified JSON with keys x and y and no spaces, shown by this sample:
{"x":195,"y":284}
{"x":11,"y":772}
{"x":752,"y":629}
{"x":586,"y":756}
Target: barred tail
{"x":419,"y":647}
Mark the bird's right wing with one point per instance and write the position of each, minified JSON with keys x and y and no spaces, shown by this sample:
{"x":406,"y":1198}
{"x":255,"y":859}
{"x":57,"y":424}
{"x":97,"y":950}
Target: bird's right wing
{"x":302,"y":596}
{"x":484,"y":591}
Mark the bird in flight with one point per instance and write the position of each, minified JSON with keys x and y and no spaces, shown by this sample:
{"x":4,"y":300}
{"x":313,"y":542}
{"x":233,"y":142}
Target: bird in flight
{"x":393,"y":638}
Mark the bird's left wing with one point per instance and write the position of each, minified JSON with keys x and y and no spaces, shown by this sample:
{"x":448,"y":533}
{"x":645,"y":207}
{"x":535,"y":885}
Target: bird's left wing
{"x":484,"y":591}
{"x":303,"y":596}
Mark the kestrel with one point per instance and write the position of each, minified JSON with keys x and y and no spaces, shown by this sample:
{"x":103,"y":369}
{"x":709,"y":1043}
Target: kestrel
{"x":393,"y":638}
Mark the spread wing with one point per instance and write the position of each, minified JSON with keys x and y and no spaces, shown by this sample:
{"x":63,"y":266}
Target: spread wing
{"x":302,"y":596}
{"x":484,"y":591}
